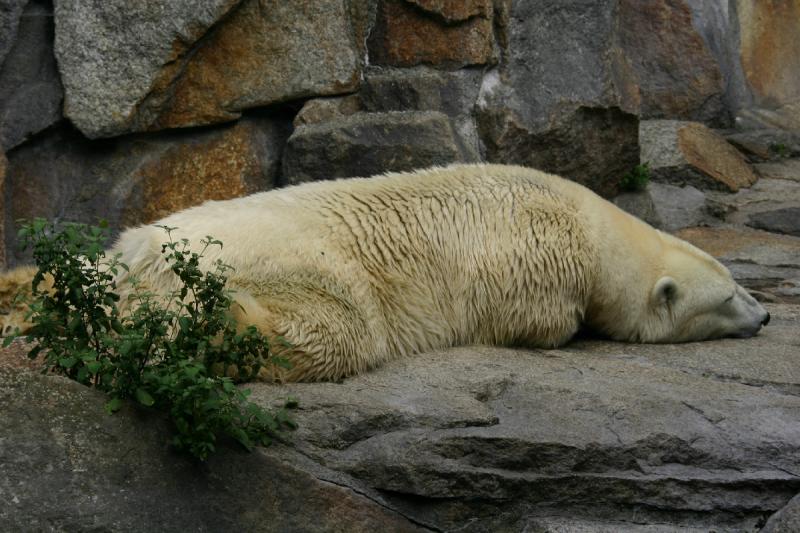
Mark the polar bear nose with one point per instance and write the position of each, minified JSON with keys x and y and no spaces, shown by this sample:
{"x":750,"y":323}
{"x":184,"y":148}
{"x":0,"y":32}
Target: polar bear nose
{"x":766,"y":320}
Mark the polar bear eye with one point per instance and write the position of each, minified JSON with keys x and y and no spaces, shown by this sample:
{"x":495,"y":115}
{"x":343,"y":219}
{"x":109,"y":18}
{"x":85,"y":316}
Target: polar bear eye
{"x":730,"y":298}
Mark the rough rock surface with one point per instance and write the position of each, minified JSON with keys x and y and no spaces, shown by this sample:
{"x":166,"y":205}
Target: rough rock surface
{"x":134,"y":180}
{"x":785,"y":117}
{"x":694,"y":435}
{"x":10,"y":11}
{"x":766,"y":144}
{"x":786,"y":220}
{"x":112,"y":56}
{"x":690,"y":153}
{"x":787,"y":169}
{"x":552,"y":103}
{"x":364,"y":144}
{"x":66,"y":465}
{"x":127,"y":67}
{"x":319,"y":110}
{"x":771,"y":203}
{"x":423,"y":89}
{"x":628,"y":59}
{"x":763,"y":262}
{"x":265,"y":54}
{"x":606,"y":137}
{"x":456,"y":11}
{"x":601,"y":436}
{"x":770,"y":51}
{"x":667,"y":207}
{"x":785,"y":520}
{"x":718,"y":24}
{"x":448,"y":34}
{"x":664,"y":68}
{"x":30,"y":89}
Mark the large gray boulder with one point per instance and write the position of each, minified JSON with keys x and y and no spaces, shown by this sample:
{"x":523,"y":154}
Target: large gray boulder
{"x":66,"y":465}
{"x":663,"y":67}
{"x":667,"y":207}
{"x":114,"y":57}
{"x":364,"y":144}
{"x":768,"y":144}
{"x":718,"y":25}
{"x":599,"y":436}
{"x":486,"y":439}
{"x":786,"y":520}
{"x":755,"y":45}
{"x":30,"y":89}
{"x":572,"y":69}
{"x":424,"y":89}
{"x":129,"y":66}
{"x":553,"y":105}
{"x":10,"y":11}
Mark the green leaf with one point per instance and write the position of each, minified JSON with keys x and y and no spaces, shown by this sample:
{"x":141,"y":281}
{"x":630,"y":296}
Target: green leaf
{"x":144,"y":397}
{"x":67,"y":362}
{"x":34,"y":352}
{"x":283,"y":418}
{"x":125,"y":348}
{"x":291,"y":403}
{"x":113,"y":405}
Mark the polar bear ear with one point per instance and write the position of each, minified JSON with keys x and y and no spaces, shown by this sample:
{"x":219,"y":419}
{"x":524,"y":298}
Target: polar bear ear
{"x":665,"y":291}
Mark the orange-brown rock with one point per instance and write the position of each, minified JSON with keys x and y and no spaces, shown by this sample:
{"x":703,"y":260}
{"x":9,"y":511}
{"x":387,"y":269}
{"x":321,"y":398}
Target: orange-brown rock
{"x":405,"y":35}
{"x":712,"y":155}
{"x":187,"y":174}
{"x":62,"y":176}
{"x":456,"y":10}
{"x":325,"y":109}
{"x":117,"y":59}
{"x":734,"y":242}
{"x":770,"y":49}
{"x":689,"y":153}
{"x":262,"y":55}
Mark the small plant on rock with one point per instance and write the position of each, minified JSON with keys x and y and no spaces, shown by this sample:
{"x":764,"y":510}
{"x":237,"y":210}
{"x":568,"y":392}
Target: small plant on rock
{"x":780,"y":149}
{"x":637,"y":179}
{"x":179,"y":354}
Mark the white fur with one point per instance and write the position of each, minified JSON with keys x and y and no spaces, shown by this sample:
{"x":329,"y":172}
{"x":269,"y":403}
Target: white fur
{"x":356,"y":272}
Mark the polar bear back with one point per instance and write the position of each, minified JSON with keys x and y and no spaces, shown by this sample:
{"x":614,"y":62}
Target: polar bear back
{"x":464,"y":254}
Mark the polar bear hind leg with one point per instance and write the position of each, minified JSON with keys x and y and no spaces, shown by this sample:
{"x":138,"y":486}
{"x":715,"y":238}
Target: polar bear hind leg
{"x":311,"y":321}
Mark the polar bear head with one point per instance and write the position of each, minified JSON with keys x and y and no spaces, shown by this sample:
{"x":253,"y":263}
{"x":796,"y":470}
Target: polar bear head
{"x":693,"y":297}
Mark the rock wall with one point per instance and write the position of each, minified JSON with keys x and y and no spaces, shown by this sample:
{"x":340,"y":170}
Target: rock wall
{"x":128,"y":110}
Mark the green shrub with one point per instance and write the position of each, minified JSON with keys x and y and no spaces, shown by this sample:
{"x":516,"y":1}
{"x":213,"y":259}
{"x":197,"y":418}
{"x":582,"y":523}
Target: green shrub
{"x":780,"y":149}
{"x":179,"y":354}
{"x":637,"y":179}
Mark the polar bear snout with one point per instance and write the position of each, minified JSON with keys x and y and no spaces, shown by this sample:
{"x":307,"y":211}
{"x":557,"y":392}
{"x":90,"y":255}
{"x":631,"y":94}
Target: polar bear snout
{"x":751,"y":315}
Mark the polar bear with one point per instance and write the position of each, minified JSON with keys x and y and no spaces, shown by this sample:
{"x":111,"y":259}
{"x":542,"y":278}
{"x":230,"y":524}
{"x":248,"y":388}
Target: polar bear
{"x":359,"y":271}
